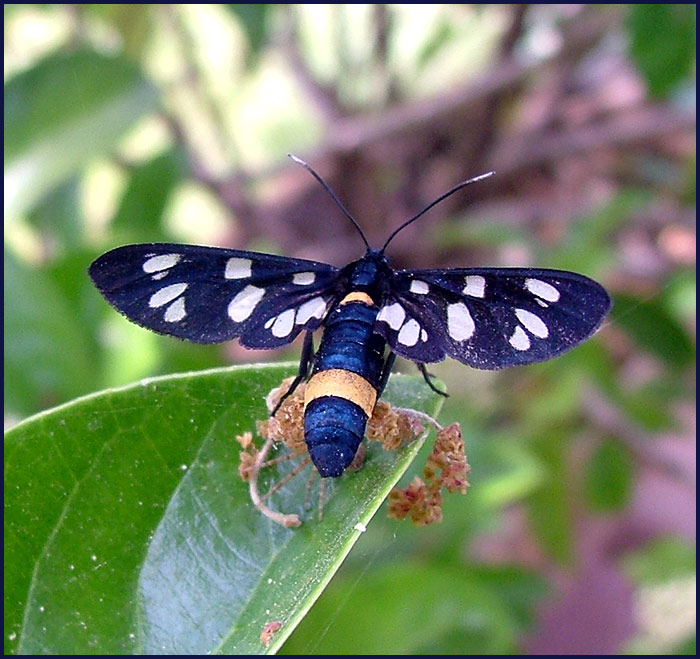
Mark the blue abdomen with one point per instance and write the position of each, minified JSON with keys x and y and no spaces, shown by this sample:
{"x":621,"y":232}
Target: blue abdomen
{"x":343,"y":387}
{"x":333,"y":428}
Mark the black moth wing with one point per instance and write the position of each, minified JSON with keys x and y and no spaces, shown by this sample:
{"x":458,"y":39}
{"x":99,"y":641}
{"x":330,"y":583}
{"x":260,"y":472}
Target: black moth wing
{"x":490,"y":318}
{"x":211,"y":294}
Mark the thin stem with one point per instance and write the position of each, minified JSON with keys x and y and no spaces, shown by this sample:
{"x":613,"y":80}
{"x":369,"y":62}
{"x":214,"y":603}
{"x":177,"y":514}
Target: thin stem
{"x":282,"y":519}
{"x":283,"y":481}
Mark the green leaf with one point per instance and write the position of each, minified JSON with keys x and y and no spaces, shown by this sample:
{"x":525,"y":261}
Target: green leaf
{"x":661,"y":561}
{"x":662,"y":43}
{"x":518,"y":589}
{"x":133,"y":22}
{"x":517,"y":474}
{"x":688,"y":646}
{"x":608,"y":482}
{"x":58,"y":216}
{"x":476,"y":232}
{"x":253,"y":20}
{"x":650,"y":324}
{"x":62,"y":113}
{"x":442,"y":35}
{"x":48,"y":350}
{"x":549,"y":506}
{"x":681,"y":295}
{"x":141,"y":210}
{"x":413,"y":607}
{"x":128,"y":529}
{"x":649,"y":406}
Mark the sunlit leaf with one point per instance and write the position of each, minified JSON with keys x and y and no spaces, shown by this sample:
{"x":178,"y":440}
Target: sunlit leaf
{"x":252,"y":18}
{"x":61,"y":113}
{"x":140,"y":213}
{"x":128,"y":529}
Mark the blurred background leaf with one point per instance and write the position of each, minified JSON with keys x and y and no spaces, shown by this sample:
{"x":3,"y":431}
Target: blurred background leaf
{"x":252,"y":19}
{"x":62,"y":113}
{"x":662,"y":44}
{"x":657,"y":331}
{"x":129,"y":123}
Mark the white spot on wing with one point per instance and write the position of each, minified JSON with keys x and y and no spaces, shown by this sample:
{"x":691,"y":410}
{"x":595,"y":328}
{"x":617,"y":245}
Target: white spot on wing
{"x":420,"y":287}
{"x":313,"y":308}
{"x":166,"y":294}
{"x":160,"y":262}
{"x":423,"y":335}
{"x":393,"y":315}
{"x":532,"y":323}
{"x":409,"y":333}
{"x":176,"y":311}
{"x":244,"y":302}
{"x":238,"y":268}
{"x":304,"y":278}
{"x":542,"y":289}
{"x":283,"y":324}
{"x":460,"y":323}
{"x":519,"y":340}
{"x":475,"y":286}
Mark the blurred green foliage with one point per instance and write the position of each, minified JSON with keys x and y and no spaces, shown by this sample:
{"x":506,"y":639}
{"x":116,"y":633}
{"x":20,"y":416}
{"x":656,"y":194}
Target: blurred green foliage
{"x":662,"y":44}
{"x":108,"y":122}
{"x":609,"y":477}
{"x":61,"y":113}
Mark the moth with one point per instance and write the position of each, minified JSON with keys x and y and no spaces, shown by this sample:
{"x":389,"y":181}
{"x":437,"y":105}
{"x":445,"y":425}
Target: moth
{"x":486,"y":318}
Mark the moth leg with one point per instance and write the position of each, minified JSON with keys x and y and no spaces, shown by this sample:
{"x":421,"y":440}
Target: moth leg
{"x":307,"y":354}
{"x":388,"y":365}
{"x":427,"y":376}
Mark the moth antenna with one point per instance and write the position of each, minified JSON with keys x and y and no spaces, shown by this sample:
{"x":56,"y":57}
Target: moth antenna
{"x":457,"y":188}
{"x":333,"y":195}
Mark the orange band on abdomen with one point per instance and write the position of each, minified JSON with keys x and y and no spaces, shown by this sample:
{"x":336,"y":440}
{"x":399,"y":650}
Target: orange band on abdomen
{"x":344,"y":384}
{"x":357,"y":296}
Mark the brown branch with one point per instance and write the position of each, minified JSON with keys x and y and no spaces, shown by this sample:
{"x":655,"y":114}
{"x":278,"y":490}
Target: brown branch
{"x":323,"y":97}
{"x":642,"y":125}
{"x":355,"y":133}
{"x":194,"y":79}
{"x":514,"y":31}
{"x":286,"y":520}
{"x":380,"y":51}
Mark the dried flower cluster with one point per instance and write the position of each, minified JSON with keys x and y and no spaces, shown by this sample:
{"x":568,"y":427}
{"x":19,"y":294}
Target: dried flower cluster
{"x":287,"y":427}
{"x":446,"y":467}
{"x":248,"y":454}
{"x":393,"y":427}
